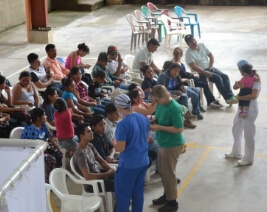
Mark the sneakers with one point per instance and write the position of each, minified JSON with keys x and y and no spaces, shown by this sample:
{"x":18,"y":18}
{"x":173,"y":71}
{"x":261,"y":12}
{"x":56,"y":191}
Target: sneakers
{"x":168,"y":208}
{"x":232,"y":100}
{"x":160,"y":201}
{"x":233,"y":156}
{"x":202,"y":109}
{"x":243,"y":114}
{"x":215,"y":104}
{"x":189,"y":124}
{"x":244,"y":163}
{"x":199,"y":117}
{"x":189,"y":115}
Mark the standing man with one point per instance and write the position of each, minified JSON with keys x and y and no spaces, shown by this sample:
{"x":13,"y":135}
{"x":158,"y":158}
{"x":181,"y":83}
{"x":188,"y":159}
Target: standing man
{"x":132,"y":142}
{"x":145,"y":57}
{"x":55,"y":66}
{"x":201,"y":60}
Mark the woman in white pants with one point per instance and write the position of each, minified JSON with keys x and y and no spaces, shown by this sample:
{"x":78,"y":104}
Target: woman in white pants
{"x":245,"y":125}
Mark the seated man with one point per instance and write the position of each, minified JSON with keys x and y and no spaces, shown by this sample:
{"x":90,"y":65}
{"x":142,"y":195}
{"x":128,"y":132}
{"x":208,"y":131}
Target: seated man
{"x":111,"y":120}
{"x":110,"y":78}
{"x":145,"y":57}
{"x":115,"y":64}
{"x":41,"y":77}
{"x":86,"y":160}
{"x":201,"y":60}
{"x":100,"y":141}
{"x":55,"y":66}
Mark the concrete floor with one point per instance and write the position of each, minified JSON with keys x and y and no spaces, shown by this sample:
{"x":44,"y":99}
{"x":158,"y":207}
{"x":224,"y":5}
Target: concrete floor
{"x":209,"y":182}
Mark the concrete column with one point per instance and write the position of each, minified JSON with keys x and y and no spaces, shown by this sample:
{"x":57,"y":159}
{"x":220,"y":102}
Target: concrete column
{"x":37,"y":22}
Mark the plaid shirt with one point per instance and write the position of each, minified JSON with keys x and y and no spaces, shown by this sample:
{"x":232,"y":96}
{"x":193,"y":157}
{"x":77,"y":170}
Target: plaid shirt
{"x":82,"y":90}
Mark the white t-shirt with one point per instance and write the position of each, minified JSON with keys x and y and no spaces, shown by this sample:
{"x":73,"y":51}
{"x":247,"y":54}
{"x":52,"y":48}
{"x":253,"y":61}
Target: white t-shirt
{"x":40,"y":73}
{"x":112,"y":67}
{"x":200,"y":58}
{"x":142,"y":56}
{"x":254,"y":103}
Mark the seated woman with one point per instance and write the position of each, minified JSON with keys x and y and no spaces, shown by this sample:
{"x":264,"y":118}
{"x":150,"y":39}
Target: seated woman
{"x":80,"y":112}
{"x":50,"y":96}
{"x":81,"y":92}
{"x":36,"y":129}
{"x":75,"y":60}
{"x":24,"y":92}
{"x":149,"y":81}
{"x":17,"y":114}
{"x":172,"y":81}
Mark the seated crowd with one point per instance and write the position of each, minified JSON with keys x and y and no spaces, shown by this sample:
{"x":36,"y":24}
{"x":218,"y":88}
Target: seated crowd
{"x":85,"y":120}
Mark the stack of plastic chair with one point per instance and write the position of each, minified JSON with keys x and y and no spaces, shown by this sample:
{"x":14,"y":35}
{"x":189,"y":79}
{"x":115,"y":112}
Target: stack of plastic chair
{"x":189,"y":19}
{"x":155,"y":17}
{"x":153,"y":24}
{"x":138,"y":28}
{"x":173,"y":27}
{"x":152,"y":7}
{"x":69,"y":202}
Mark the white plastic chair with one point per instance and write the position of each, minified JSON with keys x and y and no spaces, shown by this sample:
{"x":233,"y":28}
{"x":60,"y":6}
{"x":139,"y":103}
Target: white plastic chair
{"x":173,"y":27}
{"x":107,"y":195}
{"x":129,"y":59}
{"x":16,"y":132}
{"x":69,"y":202}
{"x":138,"y":28}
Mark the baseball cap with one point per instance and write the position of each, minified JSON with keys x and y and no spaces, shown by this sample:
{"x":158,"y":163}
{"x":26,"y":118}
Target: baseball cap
{"x":112,"y":49}
{"x":241,"y":63}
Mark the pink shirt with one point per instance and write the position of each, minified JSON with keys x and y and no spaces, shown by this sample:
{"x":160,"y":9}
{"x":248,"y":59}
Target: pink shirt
{"x":63,"y":123}
{"x":68,"y":60}
{"x":55,"y":66}
{"x":248,"y":81}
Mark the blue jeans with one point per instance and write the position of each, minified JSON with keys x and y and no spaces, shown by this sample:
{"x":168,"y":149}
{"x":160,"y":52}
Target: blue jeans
{"x":183,"y":100}
{"x":68,"y":143}
{"x":202,"y":83}
{"x":154,"y":147}
{"x":222,"y":83}
{"x":105,"y":101}
{"x":123,"y":86}
{"x":193,"y":93}
{"x":99,"y":109}
{"x":129,"y":184}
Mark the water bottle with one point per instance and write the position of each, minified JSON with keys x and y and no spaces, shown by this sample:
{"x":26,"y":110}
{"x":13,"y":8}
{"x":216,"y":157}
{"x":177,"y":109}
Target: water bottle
{"x":98,"y":101}
{"x":149,"y":99}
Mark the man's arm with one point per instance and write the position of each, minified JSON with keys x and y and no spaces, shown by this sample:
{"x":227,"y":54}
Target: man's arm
{"x":92,"y":176}
{"x":196,"y":68}
{"x":211,"y":61}
{"x":118,"y":145}
{"x":170,"y":129}
{"x":155,"y":68}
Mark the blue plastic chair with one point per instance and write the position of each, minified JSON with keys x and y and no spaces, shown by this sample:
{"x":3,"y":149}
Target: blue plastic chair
{"x":179,"y":11}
